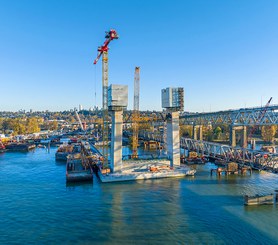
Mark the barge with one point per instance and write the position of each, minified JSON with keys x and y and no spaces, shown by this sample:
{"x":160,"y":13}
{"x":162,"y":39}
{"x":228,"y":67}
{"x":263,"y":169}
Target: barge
{"x":23,"y":147}
{"x":76,"y":170}
{"x":65,"y":150}
{"x":260,"y":199}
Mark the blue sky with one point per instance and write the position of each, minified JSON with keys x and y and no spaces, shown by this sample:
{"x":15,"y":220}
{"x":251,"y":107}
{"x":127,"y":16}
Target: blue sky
{"x":224,"y":53}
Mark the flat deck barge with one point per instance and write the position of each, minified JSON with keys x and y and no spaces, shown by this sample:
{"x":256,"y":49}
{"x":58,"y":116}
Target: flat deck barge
{"x":76,"y":171}
{"x":145,"y":169}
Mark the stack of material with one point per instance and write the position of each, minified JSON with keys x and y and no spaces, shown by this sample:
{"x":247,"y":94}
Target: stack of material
{"x":232,"y":167}
{"x":192,"y":154}
{"x":65,"y":148}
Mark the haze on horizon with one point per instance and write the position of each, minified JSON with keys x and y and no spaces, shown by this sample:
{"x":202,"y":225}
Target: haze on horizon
{"x":224,"y":53}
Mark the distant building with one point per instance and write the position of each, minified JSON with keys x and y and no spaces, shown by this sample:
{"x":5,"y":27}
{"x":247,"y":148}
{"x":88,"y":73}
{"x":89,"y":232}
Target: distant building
{"x":80,"y":107}
{"x":21,"y":111}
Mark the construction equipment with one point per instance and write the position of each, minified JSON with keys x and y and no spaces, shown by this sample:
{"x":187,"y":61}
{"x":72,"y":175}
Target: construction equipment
{"x":136,"y":113}
{"x":103,"y":51}
{"x":260,"y":117}
{"x":78,"y":118}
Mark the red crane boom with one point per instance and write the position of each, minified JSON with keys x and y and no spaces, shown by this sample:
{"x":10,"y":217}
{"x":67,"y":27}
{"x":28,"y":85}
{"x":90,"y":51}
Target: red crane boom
{"x":110,"y":35}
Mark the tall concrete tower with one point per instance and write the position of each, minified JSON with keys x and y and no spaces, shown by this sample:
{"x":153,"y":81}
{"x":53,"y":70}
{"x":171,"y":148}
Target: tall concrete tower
{"x":172,"y":100}
{"x":117,"y":101}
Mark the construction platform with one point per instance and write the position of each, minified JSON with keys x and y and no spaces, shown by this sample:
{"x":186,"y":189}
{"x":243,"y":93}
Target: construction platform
{"x":145,"y":169}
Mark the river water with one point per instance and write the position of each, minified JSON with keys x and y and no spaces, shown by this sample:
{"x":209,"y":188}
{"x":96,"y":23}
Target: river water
{"x":37,"y":207}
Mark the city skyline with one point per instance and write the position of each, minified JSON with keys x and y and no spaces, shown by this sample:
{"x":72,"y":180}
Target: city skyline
{"x":224,"y":54}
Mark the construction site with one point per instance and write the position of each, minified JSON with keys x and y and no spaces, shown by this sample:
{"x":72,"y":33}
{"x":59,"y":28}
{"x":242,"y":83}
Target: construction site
{"x":114,"y":102}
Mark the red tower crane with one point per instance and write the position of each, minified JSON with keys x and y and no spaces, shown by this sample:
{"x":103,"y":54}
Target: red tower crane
{"x":103,"y":51}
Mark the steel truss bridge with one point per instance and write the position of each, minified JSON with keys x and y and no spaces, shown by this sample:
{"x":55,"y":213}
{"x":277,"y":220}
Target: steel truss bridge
{"x":254,"y":158}
{"x":242,"y":117}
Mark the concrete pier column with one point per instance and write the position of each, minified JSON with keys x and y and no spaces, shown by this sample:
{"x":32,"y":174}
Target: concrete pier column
{"x":173,"y":138}
{"x":232,"y":136}
{"x":198,"y":132}
{"x":116,"y":141}
{"x":195,"y":130}
{"x":244,"y":137}
{"x":201,"y":132}
{"x":253,"y":144}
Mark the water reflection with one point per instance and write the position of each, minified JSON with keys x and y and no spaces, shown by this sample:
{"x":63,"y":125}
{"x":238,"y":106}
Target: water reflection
{"x":36,"y":205}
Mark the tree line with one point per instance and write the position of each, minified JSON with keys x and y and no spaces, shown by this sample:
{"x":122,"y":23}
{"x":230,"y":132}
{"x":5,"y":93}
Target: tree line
{"x":20,"y":126}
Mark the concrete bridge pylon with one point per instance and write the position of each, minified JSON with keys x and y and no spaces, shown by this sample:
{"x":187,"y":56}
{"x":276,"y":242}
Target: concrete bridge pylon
{"x":198,"y":132}
{"x":173,"y":138}
{"x":243,"y":135}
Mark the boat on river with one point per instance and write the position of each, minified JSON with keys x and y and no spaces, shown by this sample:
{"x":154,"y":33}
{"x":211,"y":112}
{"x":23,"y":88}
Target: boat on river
{"x":22,"y":147}
{"x":259,"y":199}
{"x":78,"y":170}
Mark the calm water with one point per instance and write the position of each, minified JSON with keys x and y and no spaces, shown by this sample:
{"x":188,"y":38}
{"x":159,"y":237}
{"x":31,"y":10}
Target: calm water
{"x":37,"y":207}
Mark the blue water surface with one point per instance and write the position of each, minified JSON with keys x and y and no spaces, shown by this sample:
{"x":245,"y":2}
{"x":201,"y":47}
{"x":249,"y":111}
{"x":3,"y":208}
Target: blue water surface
{"x":38,"y":207}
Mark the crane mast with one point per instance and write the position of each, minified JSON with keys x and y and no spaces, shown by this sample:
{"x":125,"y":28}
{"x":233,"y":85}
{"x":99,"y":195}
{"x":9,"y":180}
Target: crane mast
{"x":136,"y":114}
{"x":103,"y":51}
{"x":78,"y":118}
{"x":260,"y":117}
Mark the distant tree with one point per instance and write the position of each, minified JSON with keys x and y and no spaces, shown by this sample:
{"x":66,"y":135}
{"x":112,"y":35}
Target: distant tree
{"x":53,"y":125}
{"x":71,"y":119}
{"x":186,"y":131}
{"x":7,"y":125}
{"x":18,"y":127}
{"x":40,"y":120}
{"x":225,"y":131}
{"x":1,"y":123}
{"x":217,"y":133}
{"x":268,"y":132}
{"x":208,"y":133}
{"x":32,"y":125}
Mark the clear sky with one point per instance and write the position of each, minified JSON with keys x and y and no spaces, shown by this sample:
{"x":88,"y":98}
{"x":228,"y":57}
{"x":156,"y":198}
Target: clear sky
{"x":224,"y":53}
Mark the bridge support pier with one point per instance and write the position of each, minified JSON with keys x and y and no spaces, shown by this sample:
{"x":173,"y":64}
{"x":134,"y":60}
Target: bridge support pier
{"x":116,"y":141}
{"x":173,"y":138}
{"x":253,"y":144}
{"x":198,"y":129}
{"x":243,"y":138}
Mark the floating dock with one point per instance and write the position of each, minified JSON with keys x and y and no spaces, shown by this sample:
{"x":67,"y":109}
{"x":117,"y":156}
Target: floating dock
{"x":145,"y":169}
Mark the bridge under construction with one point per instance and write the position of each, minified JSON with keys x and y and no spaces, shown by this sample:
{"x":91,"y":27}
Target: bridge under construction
{"x":115,"y":102}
